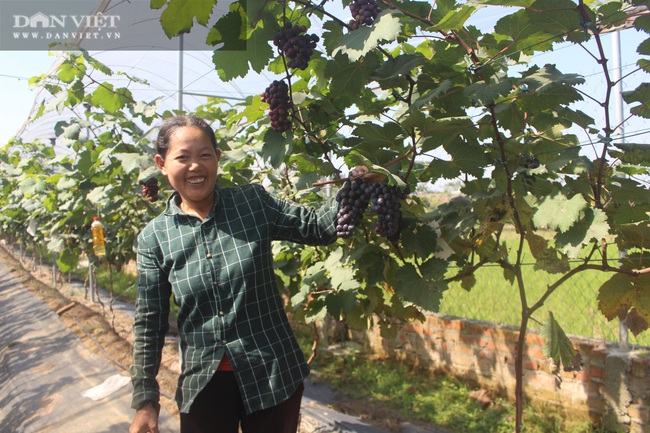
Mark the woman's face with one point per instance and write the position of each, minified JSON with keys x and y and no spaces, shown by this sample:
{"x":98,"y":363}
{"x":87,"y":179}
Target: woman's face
{"x":191,"y":166}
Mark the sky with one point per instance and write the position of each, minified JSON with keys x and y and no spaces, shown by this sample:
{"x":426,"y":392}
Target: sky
{"x":16,"y":67}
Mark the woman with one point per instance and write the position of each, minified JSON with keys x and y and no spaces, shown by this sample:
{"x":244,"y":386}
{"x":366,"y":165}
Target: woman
{"x":211,"y":248}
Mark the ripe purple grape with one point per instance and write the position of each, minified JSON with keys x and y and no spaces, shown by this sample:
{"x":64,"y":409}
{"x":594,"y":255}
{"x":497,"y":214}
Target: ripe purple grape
{"x":297,"y":47}
{"x":150,"y":189}
{"x":363,"y":12}
{"x":353,"y":200}
{"x":386,"y":203}
{"x":277,"y":96}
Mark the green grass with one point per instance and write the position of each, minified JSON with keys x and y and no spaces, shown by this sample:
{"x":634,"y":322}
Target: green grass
{"x":410,"y":394}
{"x":123,"y":284}
{"x":574,"y":304}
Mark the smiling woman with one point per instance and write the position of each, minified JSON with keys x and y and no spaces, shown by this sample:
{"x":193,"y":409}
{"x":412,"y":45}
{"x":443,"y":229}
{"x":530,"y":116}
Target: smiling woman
{"x":212,"y":249}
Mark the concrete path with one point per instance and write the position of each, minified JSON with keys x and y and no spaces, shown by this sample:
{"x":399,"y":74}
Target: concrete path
{"x":45,"y":369}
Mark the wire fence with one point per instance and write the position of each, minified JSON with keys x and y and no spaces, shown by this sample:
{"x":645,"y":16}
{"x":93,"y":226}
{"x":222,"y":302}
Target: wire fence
{"x":574,"y":304}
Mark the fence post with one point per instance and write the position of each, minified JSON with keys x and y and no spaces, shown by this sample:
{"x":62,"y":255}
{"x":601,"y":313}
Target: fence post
{"x":53,"y":270}
{"x":623,"y":337}
{"x":91,"y":282}
{"x":623,"y":340}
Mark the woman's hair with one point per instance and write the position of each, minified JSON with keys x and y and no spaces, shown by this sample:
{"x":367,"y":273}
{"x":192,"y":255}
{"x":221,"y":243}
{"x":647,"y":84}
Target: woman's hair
{"x":173,"y":123}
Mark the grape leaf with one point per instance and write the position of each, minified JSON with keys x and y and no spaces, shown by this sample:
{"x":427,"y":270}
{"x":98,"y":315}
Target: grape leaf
{"x":413,"y":288}
{"x":559,"y":212}
{"x":622,"y":293}
{"x":557,"y":346}
{"x":632,"y":153}
{"x":110,"y":99}
{"x":395,"y":67}
{"x":340,"y":303}
{"x":133,"y":161}
{"x":642,"y":95}
{"x":339,"y":274}
{"x":455,"y":19}
{"x":487,"y":93}
{"x":239,"y":52}
{"x":385,"y":135}
{"x":592,"y":225}
{"x":348,"y":78}
{"x":178,"y":17}
{"x":68,"y":260}
{"x":276,"y":147}
{"x":71,"y":69}
{"x":359,"y":42}
{"x":555,"y":17}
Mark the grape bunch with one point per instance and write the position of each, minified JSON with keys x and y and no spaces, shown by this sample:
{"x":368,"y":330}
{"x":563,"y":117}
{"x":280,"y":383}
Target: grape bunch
{"x":364,"y":12}
{"x":353,"y":197}
{"x":295,"y":46}
{"x":150,"y":189}
{"x":386,"y":203}
{"x":277,"y":96}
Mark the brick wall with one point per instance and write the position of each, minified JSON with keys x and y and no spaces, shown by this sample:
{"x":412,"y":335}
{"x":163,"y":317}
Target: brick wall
{"x":612,"y":387}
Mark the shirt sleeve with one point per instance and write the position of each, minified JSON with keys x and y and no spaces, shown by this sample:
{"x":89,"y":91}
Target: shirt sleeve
{"x":151,"y":324}
{"x":304,"y":224}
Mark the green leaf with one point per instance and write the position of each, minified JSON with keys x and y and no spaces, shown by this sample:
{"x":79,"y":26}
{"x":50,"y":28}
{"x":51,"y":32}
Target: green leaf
{"x":554,"y":17}
{"x":241,"y":50}
{"x":348,"y":78}
{"x":623,"y":293}
{"x":179,"y":15}
{"x":487,"y":93}
{"x":592,"y":225}
{"x":454,"y":20}
{"x":396,"y":67}
{"x":110,"y":99}
{"x":641,"y":95}
{"x":423,"y":292}
{"x":276,"y":147}
{"x":68,"y":260}
{"x":338,"y":304}
{"x":632,"y":153}
{"x":342,"y":277}
{"x":387,"y":135}
{"x":428,"y":96}
{"x":557,"y":345}
{"x":133,"y":161}
{"x":71,"y":70}
{"x":361,"y":41}
{"x":559,"y":212}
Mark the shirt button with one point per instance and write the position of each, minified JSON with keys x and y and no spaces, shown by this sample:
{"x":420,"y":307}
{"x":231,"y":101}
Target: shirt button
{"x":221,"y":313}
{"x":209,"y":256}
{"x":224,"y":342}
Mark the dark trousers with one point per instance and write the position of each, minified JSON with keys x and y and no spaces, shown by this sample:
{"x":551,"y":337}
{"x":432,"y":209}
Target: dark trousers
{"x":219,"y":409}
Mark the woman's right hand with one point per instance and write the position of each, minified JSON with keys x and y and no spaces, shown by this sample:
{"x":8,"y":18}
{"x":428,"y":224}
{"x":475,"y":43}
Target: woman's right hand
{"x":145,"y":420}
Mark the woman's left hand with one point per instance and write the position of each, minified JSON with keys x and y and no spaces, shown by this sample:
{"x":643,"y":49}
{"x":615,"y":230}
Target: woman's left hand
{"x":364,"y":173}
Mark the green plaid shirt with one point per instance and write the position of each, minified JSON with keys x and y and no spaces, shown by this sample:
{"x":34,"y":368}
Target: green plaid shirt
{"x":220,"y":271}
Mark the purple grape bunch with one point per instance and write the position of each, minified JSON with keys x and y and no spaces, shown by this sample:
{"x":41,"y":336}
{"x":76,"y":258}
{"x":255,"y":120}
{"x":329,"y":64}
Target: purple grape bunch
{"x":277,"y":96}
{"x":386,"y":203}
{"x":295,"y":45}
{"x":363,"y":12}
{"x":150,"y":189}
